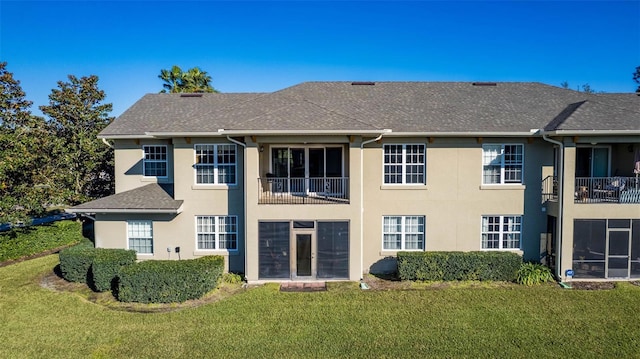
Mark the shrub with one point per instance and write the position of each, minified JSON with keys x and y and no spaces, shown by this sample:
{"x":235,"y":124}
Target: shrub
{"x":169,"y":281}
{"x":447,"y":266}
{"x":27,"y":241}
{"x":106,"y":264}
{"x":232,"y":278}
{"x":531,"y":274}
{"x":75,"y":262}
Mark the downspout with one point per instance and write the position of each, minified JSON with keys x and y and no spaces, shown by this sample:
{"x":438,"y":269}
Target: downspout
{"x":107,"y":143}
{"x":244,"y":197}
{"x":362,"y":202}
{"x":560,"y":203}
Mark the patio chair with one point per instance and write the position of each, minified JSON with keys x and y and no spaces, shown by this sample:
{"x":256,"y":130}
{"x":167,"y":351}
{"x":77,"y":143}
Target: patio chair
{"x":611,"y":191}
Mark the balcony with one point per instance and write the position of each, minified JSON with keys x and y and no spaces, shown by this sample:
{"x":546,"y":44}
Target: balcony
{"x":597,"y":189}
{"x":308,"y":190}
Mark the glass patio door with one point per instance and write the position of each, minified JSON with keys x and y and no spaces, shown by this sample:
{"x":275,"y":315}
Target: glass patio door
{"x":307,"y":169}
{"x":592,"y":162}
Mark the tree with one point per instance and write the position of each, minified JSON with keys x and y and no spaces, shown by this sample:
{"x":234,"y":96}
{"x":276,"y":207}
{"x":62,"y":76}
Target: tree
{"x":178,"y":81}
{"x":24,"y":146}
{"x":82,"y":164}
{"x":636,"y":78}
{"x":586,"y":88}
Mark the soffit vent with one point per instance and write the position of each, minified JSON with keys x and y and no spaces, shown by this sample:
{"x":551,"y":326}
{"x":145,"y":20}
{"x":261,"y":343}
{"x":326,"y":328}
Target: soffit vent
{"x":484,"y":84}
{"x":190,"y":95}
{"x":363,"y":83}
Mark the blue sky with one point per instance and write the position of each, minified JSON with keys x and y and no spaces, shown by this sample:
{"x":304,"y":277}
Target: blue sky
{"x":266,"y":45}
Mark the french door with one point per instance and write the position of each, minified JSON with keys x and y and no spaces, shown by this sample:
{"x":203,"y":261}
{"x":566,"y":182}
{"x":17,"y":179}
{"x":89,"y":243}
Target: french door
{"x":305,"y":170}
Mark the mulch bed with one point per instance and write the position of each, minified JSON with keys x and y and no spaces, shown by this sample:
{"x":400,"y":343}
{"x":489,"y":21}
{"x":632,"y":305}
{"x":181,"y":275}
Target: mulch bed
{"x":592,"y":285}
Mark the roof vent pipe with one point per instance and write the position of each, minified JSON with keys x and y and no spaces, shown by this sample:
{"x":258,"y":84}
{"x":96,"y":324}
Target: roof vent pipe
{"x":484,"y":84}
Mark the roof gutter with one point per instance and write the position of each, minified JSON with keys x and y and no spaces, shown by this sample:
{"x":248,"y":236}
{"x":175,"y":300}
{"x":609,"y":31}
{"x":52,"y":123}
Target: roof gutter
{"x":560,"y":203}
{"x":125,"y":210}
{"x":463,"y":134}
{"x":362,"y":198}
{"x":592,"y":132}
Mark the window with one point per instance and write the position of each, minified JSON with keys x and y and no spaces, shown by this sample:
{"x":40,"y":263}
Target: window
{"x":502,"y":164}
{"x":217,"y":232}
{"x":155,"y":161}
{"x":140,"y":236}
{"x":403,"y":233}
{"x":404,"y":164}
{"x":215,"y":164}
{"x":501,"y":232}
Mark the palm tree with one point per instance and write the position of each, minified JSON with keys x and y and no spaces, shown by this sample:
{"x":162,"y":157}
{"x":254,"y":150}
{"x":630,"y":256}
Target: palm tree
{"x":173,"y":79}
{"x":194,"y":80}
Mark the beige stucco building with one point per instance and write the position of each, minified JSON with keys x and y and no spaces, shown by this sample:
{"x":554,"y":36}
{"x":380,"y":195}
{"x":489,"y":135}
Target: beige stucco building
{"x":329,"y":180}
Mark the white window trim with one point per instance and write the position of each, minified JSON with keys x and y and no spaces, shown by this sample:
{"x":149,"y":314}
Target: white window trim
{"x":216,"y":234}
{"x":404,"y":164}
{"x":501,"y":232}
{"x":144,"y":161}
{"x":214,"y":165}
{"x":502,"y":166}
{"x":152,"y":239}
{"x":403,"y":234}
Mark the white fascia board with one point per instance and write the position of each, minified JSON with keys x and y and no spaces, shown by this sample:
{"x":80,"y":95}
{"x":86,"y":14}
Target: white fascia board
{"x":463,"y":134}
{"x":125,"y":210}
{"x":123,"y":137}
{"x":592,"y":132}
{"x":302,"y":132}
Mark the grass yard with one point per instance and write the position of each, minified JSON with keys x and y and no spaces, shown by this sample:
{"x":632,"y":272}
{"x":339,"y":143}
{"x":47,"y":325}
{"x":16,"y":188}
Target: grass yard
{"x":505,"y":322}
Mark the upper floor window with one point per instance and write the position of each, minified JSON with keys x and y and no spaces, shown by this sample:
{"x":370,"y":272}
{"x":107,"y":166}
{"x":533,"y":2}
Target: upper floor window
{"x":215,"y":164}
{"x":140,"y":236}
{"x":403,"y":233}
{"x":217,"y":232}
{"x":501,"y":232}
{"x":404,"y":164}
{"x":502,"y":164}
{"x":154,"y":163}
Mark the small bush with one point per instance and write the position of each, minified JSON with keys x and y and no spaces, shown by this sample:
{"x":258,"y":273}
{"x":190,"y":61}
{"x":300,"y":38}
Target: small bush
{"x":448,"y":266}
{"x":22,"y":242}
{"x":169,"y":281}
{"x":531,"y":274}
{"x":75,"y":262}
{"x":106,"y":264}
{"x":232,"y":278}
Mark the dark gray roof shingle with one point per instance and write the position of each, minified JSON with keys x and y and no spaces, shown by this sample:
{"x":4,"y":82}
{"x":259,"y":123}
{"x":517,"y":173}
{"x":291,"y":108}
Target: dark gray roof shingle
{"x":445,"y":107}
{"x":150,"y":198}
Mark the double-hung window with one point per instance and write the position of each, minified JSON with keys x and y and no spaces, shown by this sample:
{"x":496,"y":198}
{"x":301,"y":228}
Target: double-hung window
{"x":404,"y":164}
{"x":501,"y":232}
{"x":502,"y":164}
{"x":215,"y":164}
{"x":403,"y":233}
{"x":140,"y":236}
{"x":217,"y":232}
{"x":154,"y":162}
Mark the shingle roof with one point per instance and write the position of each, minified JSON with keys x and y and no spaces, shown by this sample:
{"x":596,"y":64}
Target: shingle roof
{"x":446,"y":107}
{"x":152,"y":198}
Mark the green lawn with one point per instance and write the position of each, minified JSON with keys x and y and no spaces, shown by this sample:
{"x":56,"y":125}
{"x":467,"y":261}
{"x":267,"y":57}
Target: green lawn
{"x":506,"y":322}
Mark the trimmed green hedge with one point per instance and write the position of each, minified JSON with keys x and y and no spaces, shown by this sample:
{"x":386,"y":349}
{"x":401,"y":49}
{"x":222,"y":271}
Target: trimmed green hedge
{"x":169,"y":281}
{"x":447,"y":266}
{"x":75,"y":262}
{"x":106,"y":265}
{"x":22,"y":242}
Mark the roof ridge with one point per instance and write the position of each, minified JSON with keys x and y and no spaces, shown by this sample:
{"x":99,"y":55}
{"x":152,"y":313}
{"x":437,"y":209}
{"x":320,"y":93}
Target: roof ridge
{"x":563,"y":115}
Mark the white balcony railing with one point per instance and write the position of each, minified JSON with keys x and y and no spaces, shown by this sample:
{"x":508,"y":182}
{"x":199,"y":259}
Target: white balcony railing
{"x":308,"y":190}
